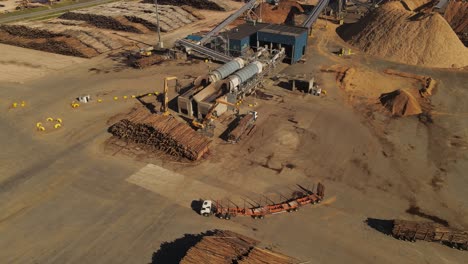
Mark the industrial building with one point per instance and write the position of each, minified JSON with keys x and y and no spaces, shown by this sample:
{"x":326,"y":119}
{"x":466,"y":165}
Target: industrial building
{"x":253,"y":35}
{"x":292,"y":39}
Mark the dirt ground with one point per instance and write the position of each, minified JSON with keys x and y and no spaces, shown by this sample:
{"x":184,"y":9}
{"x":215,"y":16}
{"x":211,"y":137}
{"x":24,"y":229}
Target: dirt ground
{"x":20,"y":64}
{"x":66,"y":198}
{"x":9,"y":5}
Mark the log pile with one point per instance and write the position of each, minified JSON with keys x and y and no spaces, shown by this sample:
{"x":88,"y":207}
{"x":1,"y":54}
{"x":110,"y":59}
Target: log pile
{"x":244,"y":124}
{"x":217,"y":5}
{"x":28,"y":37}
{"x":229,"y":247}
{"x":428,"y":231}
{"x":143,"y":62}
{"x":161,"y":132}
{"x":100,"y":21}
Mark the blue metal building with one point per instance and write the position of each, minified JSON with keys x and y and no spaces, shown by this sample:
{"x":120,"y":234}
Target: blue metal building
{"x":293,"y":39}
{"x":242,"y":37}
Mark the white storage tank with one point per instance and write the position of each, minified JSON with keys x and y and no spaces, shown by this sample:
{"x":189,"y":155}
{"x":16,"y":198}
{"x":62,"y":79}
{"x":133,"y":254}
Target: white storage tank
{"x":226,"y":70}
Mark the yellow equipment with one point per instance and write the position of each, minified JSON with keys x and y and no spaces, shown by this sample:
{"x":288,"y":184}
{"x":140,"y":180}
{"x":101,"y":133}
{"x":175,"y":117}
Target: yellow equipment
{"x":164,"y":106}
{"x":207,"y":118}
{"x":209,"y":115}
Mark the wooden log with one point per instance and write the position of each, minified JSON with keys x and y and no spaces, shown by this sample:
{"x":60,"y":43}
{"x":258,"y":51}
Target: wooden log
{"x":162,"y":132}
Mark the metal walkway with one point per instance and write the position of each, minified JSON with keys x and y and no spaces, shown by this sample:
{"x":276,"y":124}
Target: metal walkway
{"x":315,"y":13}
{"x":228,"y":21}
{"x":204,"y":50}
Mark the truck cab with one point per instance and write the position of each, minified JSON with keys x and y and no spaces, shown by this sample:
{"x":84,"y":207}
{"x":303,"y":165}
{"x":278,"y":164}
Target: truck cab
{"x":207,"y":208}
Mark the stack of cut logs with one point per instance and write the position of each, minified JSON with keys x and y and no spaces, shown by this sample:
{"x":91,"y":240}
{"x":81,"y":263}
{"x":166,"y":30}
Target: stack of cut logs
{"x":229,"y":247}
{"x":161,"y":132}
{"x":144,"y":62}
{"x":428,"y":231}
{"x":244,"y":124}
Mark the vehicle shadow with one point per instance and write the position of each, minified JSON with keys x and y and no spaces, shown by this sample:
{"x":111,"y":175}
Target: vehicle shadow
{"x":196,"y":205}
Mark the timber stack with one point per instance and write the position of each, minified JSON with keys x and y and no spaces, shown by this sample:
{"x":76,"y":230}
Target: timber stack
{"x":244,"y":125}
{"x":428,"y":231}
{"x":161,"y":132}
{"x":229,"y":247}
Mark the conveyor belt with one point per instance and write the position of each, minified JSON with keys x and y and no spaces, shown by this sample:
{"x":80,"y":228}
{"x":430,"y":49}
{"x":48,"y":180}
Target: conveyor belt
{"x":315,"y":13}
{"x":228,"y":20}
{"x":205,"y":51}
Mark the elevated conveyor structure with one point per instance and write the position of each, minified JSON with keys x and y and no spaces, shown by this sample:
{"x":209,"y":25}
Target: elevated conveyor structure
{"x":315,"y":13}
{"x":204,"y":50}
{"x":251,"y":4}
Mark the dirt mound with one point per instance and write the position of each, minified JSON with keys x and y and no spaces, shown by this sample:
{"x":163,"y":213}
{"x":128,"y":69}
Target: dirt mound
{"x":284,"y":12}
{"x":456,"y":15}
{"x":400,"y":35}
{"x":400,"y":103}
{"x":217,"y":5}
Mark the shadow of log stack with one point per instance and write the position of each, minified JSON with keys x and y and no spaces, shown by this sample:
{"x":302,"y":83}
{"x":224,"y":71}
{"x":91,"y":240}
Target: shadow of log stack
{"x":161,"y":132}
{"x":218,"y":247}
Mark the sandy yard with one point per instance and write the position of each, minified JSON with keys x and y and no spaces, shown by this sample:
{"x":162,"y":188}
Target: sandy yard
{"x":9,"y":5}
{"x":68,"y":197}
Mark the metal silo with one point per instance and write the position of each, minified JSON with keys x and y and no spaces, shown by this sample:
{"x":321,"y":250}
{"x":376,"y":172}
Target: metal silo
{"x":226,"y":70}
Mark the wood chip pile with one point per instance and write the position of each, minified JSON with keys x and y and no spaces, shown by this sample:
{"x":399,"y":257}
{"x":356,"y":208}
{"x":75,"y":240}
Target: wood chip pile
{"x":416,"y":38}
{"x":226,"y":247}
{"x":161,"y":132}
{"x":457,"y":16}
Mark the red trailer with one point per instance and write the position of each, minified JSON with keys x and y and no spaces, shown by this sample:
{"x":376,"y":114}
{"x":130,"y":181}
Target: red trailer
{"x":259,"y":212}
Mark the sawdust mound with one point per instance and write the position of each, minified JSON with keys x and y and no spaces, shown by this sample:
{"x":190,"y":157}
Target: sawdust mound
{"x":217,"y":5}
{"x":394,"y":33}
{"x":400,"y":103}
{"x":281,"y":13}
{"x":456,"y":15}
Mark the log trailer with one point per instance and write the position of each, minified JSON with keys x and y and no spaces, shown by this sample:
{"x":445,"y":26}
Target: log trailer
{"x":244,"y":126}
{"x":210,"y":207}
{"x":428,"y":231}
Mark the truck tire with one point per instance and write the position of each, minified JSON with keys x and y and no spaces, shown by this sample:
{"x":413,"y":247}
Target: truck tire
{"x":227,"y":217}
{"x":206,"y":214}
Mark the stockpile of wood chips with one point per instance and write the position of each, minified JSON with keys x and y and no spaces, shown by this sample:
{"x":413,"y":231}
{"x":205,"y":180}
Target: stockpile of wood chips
{"x":457,"y":16}
{"x":161,"y":132}
{"x":229,"y":247}
{"x":394,"y":33}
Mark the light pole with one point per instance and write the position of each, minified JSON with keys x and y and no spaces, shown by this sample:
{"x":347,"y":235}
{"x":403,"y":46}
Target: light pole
{"x":160,"y":44}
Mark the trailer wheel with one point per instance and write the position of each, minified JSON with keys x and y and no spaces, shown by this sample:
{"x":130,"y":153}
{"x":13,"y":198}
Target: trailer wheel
{"x":254,"y":216}
{"x":288,"y":211}
{"x":296,"y":209}
{"x":227,"y":217}
{"x":261,"y":217}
